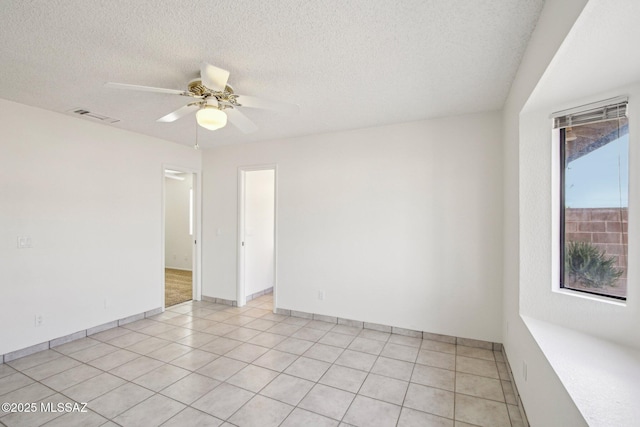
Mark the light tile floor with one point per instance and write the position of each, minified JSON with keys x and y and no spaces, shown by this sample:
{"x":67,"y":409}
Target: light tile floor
{"x":206,"y":364}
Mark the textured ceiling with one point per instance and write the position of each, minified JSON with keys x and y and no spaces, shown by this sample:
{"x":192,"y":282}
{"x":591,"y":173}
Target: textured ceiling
{"x":347,"y":64}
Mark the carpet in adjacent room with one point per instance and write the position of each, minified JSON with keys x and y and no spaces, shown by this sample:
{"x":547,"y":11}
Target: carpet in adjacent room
{"x":177,"y":286}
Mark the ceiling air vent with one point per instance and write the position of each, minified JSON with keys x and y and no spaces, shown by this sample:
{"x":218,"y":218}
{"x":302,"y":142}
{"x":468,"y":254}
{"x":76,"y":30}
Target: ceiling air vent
{"x":91,"y":115}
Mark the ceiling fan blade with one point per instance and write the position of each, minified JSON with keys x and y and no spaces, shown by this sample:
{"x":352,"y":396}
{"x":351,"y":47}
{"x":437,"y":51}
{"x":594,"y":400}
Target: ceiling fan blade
{"x":280,"y":107}
{"x":213,"y":77}
{"x":180,"y":112}
{"x":146,"y":88}
{"x":240,"y":121}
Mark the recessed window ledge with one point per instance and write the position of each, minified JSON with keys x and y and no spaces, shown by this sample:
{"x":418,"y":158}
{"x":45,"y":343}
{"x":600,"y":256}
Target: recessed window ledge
{"x":590,"y":297}
{"x":602,"y":377}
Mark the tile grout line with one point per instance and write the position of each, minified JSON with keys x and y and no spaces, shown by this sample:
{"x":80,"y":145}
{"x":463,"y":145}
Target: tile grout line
{"x":298,"y":356}
{"x":315,"y":382}
{"x":318,"y":382}
{"x":365,"y":378}
{"x":343,"y":349}
{"x":502,"y":389}
{"x":266,"y":385}
{"x":186,"y":405}
{"x":514,"y":388}
{"x":283,"y":372}
{"x":408,"y":385}
{"x":455,"y":383}
{"x":154,"y":312}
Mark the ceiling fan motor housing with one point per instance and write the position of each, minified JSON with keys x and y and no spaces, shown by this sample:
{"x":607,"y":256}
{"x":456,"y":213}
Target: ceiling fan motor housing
{"x":197,"y":88}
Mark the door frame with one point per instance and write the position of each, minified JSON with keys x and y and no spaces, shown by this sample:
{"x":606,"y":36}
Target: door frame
{"x":196,"y":258}
{"x":241,"y":297}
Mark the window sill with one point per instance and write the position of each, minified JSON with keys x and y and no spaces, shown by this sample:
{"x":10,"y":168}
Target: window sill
{"x":602,"y":378}
{"x":591,"y":297}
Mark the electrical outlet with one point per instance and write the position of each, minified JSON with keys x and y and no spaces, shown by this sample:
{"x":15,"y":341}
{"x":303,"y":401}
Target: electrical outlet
{"x":24,"y":242}
{"x":321,"y":295}
{"x":38,"y":320}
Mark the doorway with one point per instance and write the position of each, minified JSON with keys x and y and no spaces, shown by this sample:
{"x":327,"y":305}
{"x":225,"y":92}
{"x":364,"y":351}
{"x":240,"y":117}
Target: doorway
{"x":180,"y":236}
{"x":257,"y":233}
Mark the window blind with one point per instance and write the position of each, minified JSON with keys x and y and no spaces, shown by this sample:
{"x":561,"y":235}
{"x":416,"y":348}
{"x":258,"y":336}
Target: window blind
{"x":610,"y":109}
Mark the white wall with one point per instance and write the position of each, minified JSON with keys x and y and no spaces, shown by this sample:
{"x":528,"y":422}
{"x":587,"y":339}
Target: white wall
{"x":399,"y":225}
{"x":90,"y":197}
{"x":603,"y":30}
{"x":178,"y":249}
{"x":259,"y":230}
{"x":539,"y":284}
{"x":591,"y":343}
{"x":546,"y":401}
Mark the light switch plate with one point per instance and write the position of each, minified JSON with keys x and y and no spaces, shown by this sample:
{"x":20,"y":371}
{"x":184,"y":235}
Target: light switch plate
{"x":24,"y":242}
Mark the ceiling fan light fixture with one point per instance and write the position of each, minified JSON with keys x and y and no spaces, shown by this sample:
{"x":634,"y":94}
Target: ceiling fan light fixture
{"x":213,"y":100}
{"x":210,"y":117}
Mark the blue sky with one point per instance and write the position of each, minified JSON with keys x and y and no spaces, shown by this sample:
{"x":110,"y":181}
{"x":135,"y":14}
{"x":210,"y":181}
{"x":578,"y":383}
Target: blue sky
{"x":601,"y":178}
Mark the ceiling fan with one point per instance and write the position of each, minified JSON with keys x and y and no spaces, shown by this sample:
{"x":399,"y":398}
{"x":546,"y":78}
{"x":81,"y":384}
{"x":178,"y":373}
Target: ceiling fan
{"x":214,"y":101}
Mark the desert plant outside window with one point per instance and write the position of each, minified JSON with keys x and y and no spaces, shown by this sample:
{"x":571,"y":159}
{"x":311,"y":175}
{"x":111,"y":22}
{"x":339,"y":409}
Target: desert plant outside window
{"x":594,"y":181}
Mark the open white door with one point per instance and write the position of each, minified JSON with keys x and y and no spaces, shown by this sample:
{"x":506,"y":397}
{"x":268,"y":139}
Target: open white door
{"x":181,"y":252}
{"x":256,"y":232}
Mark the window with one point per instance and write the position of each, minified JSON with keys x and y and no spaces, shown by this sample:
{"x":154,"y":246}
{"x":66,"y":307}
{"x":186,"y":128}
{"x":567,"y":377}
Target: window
{"x":594,"y":180}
